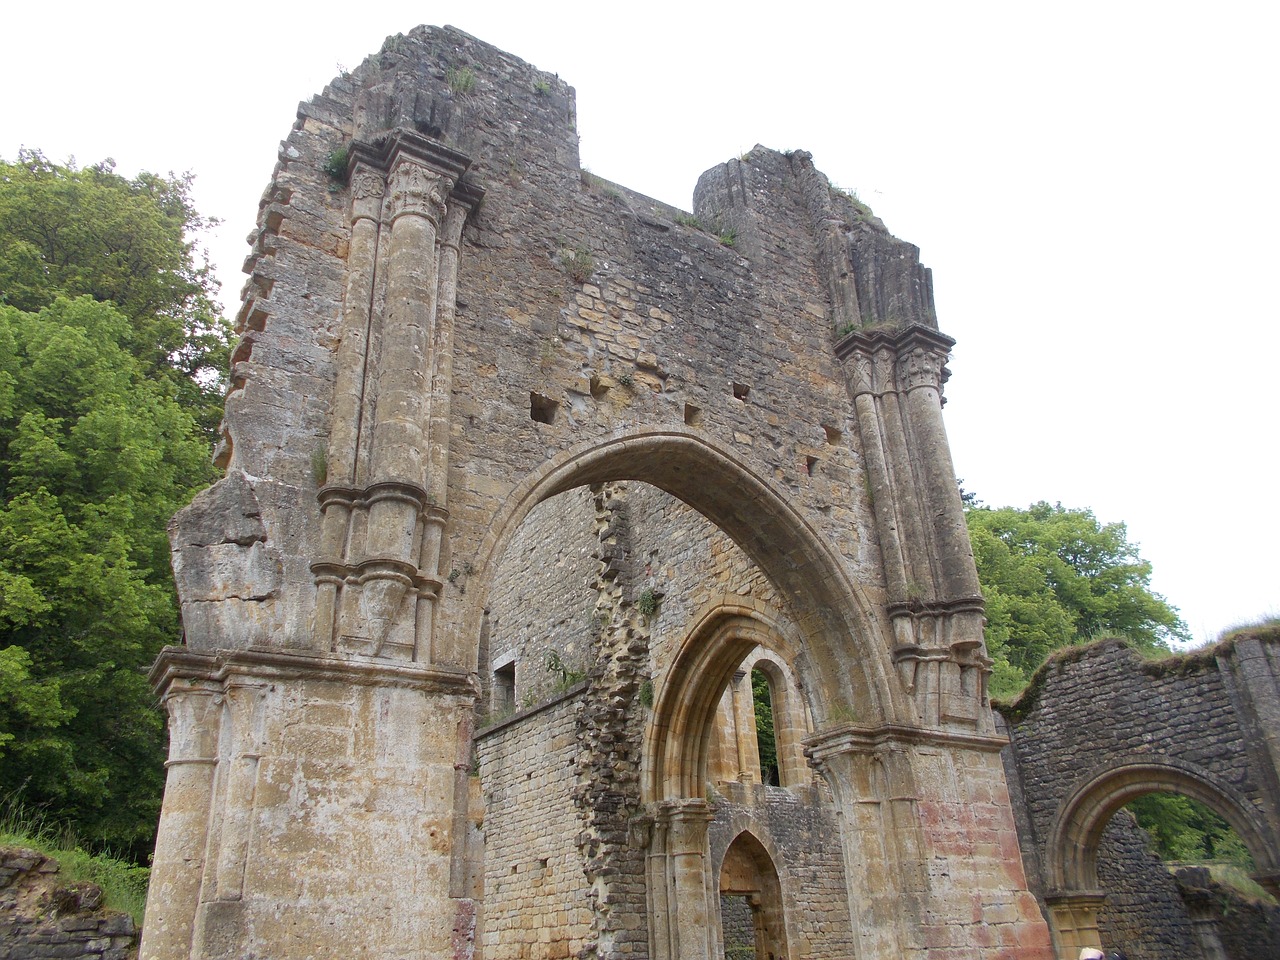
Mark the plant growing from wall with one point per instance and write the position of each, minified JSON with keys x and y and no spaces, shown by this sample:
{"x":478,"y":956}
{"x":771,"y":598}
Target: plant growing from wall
{"x":335,"y":164}
{"x":461,"y":80}
{"x":578,"y":263}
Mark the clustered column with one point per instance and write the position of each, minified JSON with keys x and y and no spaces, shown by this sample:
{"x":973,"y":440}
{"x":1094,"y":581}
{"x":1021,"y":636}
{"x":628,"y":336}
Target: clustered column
{"x":383,"y":500}
{"x":935,"y":603}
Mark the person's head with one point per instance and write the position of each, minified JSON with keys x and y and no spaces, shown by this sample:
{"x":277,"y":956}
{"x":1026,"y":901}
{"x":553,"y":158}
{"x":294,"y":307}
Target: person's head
{"x":1092,"y":953}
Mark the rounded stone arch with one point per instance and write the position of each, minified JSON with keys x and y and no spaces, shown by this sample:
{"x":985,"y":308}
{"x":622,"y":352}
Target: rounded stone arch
{"x":1071,"y":862}
{"x":790,"y":714}
{"x":677,"y":738}
{"x":844,"y":645}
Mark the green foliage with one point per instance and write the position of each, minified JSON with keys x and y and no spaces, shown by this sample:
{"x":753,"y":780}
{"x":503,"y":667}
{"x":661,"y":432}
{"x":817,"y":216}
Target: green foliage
{"x":688,"y":220}
{"x":461,"y":80}
{"x":124,"y":885}
{"x":766,"y":740}
{"x":106,"y":411}
{"x":647,"y":602}
{"x":1053,"y":577}
{"x":542,"y":87}
{"x":1186,"y":831}
{"x":578,"y":263}
{"x":566,"y":675}
{"x":75,"y":232}
{"x":335,"y":164}
{"x":727,"y":238}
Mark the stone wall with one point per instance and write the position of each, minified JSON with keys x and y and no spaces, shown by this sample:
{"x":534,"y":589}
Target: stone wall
{"x":536,"y":903}
{"x":1144,"y":914}
{"x":43,"y":917}
{"x":1099,"y":726}
{"x":447,"y":323}
{"x":798,"y":825}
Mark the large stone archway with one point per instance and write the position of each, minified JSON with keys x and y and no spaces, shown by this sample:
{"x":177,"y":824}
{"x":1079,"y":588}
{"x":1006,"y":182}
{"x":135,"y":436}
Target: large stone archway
{"x":446,"y":325}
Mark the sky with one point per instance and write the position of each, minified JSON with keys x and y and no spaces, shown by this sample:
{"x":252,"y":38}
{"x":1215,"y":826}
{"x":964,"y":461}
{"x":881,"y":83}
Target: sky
{"x":1093,"y":185}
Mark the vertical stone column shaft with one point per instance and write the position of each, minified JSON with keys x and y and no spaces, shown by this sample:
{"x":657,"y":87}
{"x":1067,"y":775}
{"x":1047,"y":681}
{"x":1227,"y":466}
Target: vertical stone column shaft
{"x":177,"y":869}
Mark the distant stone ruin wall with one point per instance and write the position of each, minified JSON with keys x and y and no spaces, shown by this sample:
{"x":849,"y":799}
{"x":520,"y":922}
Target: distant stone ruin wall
{"x":543,"y":598}
{"x":1144,"y":915}
{"x":536,"y":905}
{"x":1100,"y":725}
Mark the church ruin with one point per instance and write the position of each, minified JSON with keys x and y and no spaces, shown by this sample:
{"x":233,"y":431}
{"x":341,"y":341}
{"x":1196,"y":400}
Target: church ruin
{"x":540,"y":497}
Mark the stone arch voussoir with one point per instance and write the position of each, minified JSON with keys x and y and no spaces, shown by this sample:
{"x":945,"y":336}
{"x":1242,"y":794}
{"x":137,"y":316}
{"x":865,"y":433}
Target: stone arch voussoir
{"x":1071,"y":860}
{"x":844,"y":644}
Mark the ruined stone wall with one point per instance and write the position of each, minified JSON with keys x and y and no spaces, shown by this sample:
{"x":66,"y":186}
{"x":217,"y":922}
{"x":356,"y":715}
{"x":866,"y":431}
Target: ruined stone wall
{"x":535,"y":894}
{"x":447,"y":322}
{"x":1144,"y":916}
{"x":1245,"y":928}
{"x":1101,"y":721}
{"x":799,"y":825}
{"x":45,"y":917}
{"x":544,"y":598}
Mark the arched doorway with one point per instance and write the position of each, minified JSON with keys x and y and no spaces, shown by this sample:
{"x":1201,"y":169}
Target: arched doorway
{"x":752,"y":915}
{"x":1076,"y":897}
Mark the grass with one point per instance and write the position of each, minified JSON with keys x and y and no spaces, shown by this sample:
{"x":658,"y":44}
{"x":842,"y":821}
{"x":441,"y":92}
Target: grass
{"x":578,"y":263}
{"x":462,"y":80}
{"x":124,"y":885}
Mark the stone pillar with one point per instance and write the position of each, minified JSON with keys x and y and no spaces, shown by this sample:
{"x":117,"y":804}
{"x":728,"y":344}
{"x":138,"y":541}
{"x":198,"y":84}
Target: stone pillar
{"x":931,"y":850}
{"x":307,"y":764}
{"x":682,"y":906}
{"x":339,"y":483}
{"x":1075,"y":922}
{"x":935,"y":603}
{"x":177,"y":868}
{"x":377,"y":576}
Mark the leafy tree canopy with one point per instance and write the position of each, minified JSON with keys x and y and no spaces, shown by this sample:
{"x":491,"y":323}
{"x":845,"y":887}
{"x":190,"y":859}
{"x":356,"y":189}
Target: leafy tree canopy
{"x":107,"y":337}
{"x":1054,"y":576}
{"x":72,"y":232}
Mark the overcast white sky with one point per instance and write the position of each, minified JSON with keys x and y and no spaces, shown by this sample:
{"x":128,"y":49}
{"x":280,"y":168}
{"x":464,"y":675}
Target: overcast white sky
{"x":1094,"y":186}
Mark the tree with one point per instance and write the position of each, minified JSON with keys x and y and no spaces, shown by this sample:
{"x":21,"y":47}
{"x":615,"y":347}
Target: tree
{"x":1054,"y":576}
{"x":105,"y":417}
{"x":73,"y":232}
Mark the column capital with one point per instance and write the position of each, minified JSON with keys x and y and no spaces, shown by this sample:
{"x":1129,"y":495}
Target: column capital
{"x":888,"y":360}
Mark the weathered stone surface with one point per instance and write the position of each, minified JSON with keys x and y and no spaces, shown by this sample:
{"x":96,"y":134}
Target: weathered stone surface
{"x":503,"y":436}
{"x":44,"y":916}
{"x":1100,"y":726}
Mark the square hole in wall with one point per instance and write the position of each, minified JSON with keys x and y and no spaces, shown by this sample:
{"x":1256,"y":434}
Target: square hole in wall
{"x":692,"y":415}
{"x":740,"y":391}
{"x":833,"y":435}
{"x":542,"y":409}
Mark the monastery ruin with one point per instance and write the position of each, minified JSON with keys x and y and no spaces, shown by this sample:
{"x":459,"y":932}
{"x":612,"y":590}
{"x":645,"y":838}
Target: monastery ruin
{"x":529,"y":481}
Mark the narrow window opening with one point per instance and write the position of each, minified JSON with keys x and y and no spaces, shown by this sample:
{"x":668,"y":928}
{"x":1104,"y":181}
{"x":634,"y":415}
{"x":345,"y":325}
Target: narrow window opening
{"x":766,"y":740}
{"x":542,"y":409}
{"x":692,"y":415}
{"x":599,"y":389}
{"x":740,"y":391}
{"x":504,"y":688}
{"x":809,"y":464}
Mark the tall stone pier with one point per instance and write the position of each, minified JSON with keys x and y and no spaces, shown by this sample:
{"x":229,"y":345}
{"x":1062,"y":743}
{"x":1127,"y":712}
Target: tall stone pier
{"x":589,"y":577}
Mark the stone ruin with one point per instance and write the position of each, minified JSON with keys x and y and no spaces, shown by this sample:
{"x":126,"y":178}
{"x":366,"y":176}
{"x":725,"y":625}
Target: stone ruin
{"x":532,"y":485}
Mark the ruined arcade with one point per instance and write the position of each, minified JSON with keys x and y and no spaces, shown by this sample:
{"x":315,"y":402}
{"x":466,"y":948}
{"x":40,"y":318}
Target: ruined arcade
{"x":527,"y":477}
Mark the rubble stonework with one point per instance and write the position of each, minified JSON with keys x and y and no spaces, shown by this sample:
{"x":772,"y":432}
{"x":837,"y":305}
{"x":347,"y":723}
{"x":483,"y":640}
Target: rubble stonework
{"x":455,"y":347}
{"x":1100,"y":726}
{"x":42,"y":916}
